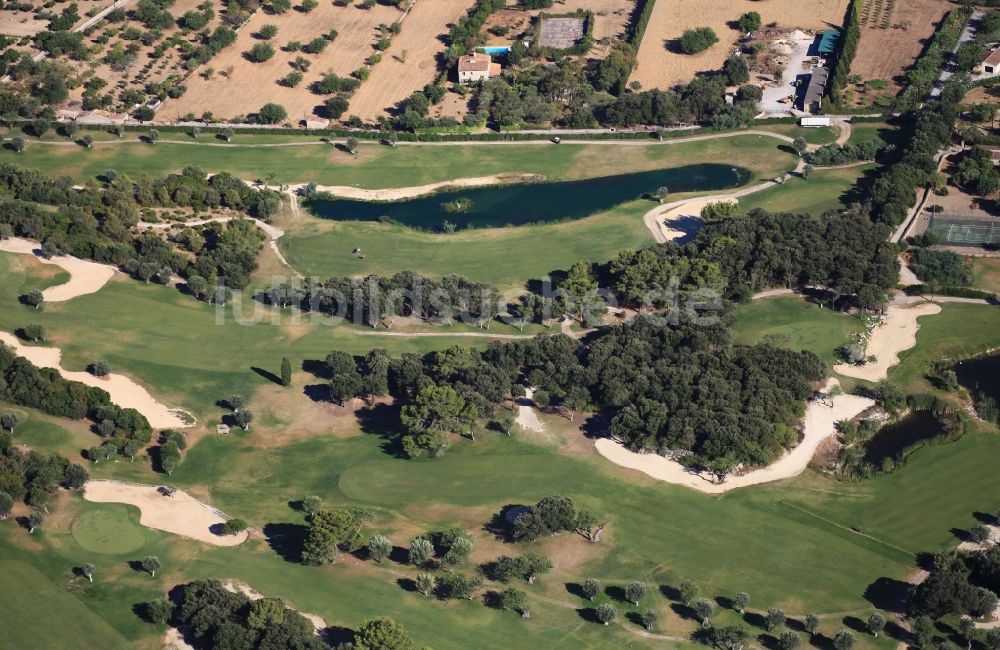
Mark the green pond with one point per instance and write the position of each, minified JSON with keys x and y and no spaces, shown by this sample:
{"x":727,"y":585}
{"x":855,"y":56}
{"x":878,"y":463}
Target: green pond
{"x":524,"y":203}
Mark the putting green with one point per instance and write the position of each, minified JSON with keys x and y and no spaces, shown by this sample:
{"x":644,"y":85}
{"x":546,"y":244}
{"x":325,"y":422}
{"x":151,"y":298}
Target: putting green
{"x":108,"y":529}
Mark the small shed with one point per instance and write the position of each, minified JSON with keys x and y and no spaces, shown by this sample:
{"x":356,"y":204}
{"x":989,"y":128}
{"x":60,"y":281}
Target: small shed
{"x":991,"y":62}
{"x":222,"y":429}
{"x":814,"y":122}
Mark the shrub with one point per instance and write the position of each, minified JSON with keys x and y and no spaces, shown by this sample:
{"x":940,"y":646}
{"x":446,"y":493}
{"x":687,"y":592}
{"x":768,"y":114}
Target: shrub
{"x":260,"y":52}
{"x":698,"y":40}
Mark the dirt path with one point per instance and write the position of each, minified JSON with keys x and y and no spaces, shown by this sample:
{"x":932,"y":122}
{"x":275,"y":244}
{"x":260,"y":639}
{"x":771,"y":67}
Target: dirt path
{"x":180,"y":514}
{"x":845,"y":132}
{"x":84,"y":276}
{"x":896,"y":334}
{"x":527,"y":417}
{"x":818,"y":425}
{"x":124,"y":391}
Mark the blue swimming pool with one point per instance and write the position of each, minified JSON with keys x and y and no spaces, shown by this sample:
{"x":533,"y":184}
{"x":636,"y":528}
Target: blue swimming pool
{"x":496,"y":49}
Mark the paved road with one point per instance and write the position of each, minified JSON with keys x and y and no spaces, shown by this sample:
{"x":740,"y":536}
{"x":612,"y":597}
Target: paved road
{"x":968,"y":34}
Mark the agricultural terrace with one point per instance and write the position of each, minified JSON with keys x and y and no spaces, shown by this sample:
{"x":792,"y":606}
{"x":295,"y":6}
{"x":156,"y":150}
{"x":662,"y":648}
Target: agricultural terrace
{"x":660,"y":62}
{"x":240,"y":86}
{"x":893,"y":34}
{"x":414,"y":60}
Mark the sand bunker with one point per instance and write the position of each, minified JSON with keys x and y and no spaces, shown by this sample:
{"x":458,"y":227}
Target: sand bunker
{"x":673,"y":221}
{"x":180,"y":514}
{"x":402,"y":193}
{"x":819,"y":424}
{"x":124,"y":391}
{"x":898,"y":332}
{"x":84,"y":276}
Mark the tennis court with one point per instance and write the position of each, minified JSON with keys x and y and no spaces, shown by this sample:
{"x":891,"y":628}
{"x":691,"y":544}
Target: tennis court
{"x":965,"y":230}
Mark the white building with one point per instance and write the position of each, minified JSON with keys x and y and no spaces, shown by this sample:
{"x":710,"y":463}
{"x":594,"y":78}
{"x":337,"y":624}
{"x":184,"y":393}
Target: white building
{"x":477,"y":67}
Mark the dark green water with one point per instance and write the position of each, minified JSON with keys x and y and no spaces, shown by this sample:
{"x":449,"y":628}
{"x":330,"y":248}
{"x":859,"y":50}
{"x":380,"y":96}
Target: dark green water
{"x":892,"y":440}
{"x":535,"y":202}
{"x":981,"y":376}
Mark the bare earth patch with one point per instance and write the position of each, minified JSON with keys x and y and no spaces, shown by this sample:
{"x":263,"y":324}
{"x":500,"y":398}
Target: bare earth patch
{"x":398,"y":75}
{"x":125,"y":392}
{"x":251,"y":85}
{"x":660,"y":63}
{"x":180,"y":514}
{"x":84,"y":276}
{"x":818,"y":425}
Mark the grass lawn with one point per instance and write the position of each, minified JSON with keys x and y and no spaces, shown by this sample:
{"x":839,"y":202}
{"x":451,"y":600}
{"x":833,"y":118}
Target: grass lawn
{"x":868,"y":130}
{"x":818,"y":135}
{"x":985,"y":273}
{"x":794,"y":324}
{"x":378,"y":166}
{"x":503,"y":257}
{"x":826,"y":189}
{"x":172,"y":343}
{"x":793,"y":545}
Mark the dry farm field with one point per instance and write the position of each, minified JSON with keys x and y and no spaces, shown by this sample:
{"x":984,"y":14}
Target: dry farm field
{"x":126,"y":63}
{"x":14,"y":22}
{"x":240,"y":87}
{"x":412,"y":62}
{"x":893,"y":34}
{"x":661,"y":64}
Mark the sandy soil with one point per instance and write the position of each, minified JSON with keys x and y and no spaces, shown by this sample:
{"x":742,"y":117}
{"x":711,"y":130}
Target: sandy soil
{"x":20,"y":23}
{"x":886,"y":50}
{"x":818,"y":425}
{"x":124,"y":391}
{"x":610,"y":20}
{"x":180,"y":514}
{"x":251,"y":85}
{"x":392,"y":80}
{"x":527,"y":417}
{"x":85,"y":276}
{"x":172,"y":640}
{"x":401,"y":193}
{"x":241,"y":587}
{"x":897,"y":333}
{"x":660,"y":63}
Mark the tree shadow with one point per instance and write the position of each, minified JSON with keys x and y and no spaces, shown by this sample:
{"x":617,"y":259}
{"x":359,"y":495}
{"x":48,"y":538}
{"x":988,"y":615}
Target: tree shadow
{"x":614,"y":592}
{"x":382,"y":420}
{"x":595,"y":426}
{"x":754,"y":619}
{"x":636,"y":618}
{"x":684,"y":611}
{"x":985,"y":517}
{"x":856,"y":624}
{"x":499,"y":524}
{"x":588,"y":614}
{"x":493,"y":599}
{"x":136,"y":566}
{"x":407,"y":584}
{"x":769,"y":641}
{"x":888,"y":594}
{"x":725,"y":602}
{"x":336,"y":636}
{"x":399,"y":555}
{"x":576,"y":589}
{"x":268,"y":375}
{"x":287,"y":540}
{"x":670,"y":592}
{"x":961,"y":534}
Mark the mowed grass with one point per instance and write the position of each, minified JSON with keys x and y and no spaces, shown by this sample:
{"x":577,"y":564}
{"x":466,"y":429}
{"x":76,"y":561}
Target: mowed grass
{"x":985,"y":273}
{"x":503,"y":257}
{"x":187,"y":353}
{"x":377,"y":166}
{"x":794,"y":545}
{"x":38,"y":613}
{"x":794,"y":323}
{"x":824,"y":190}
